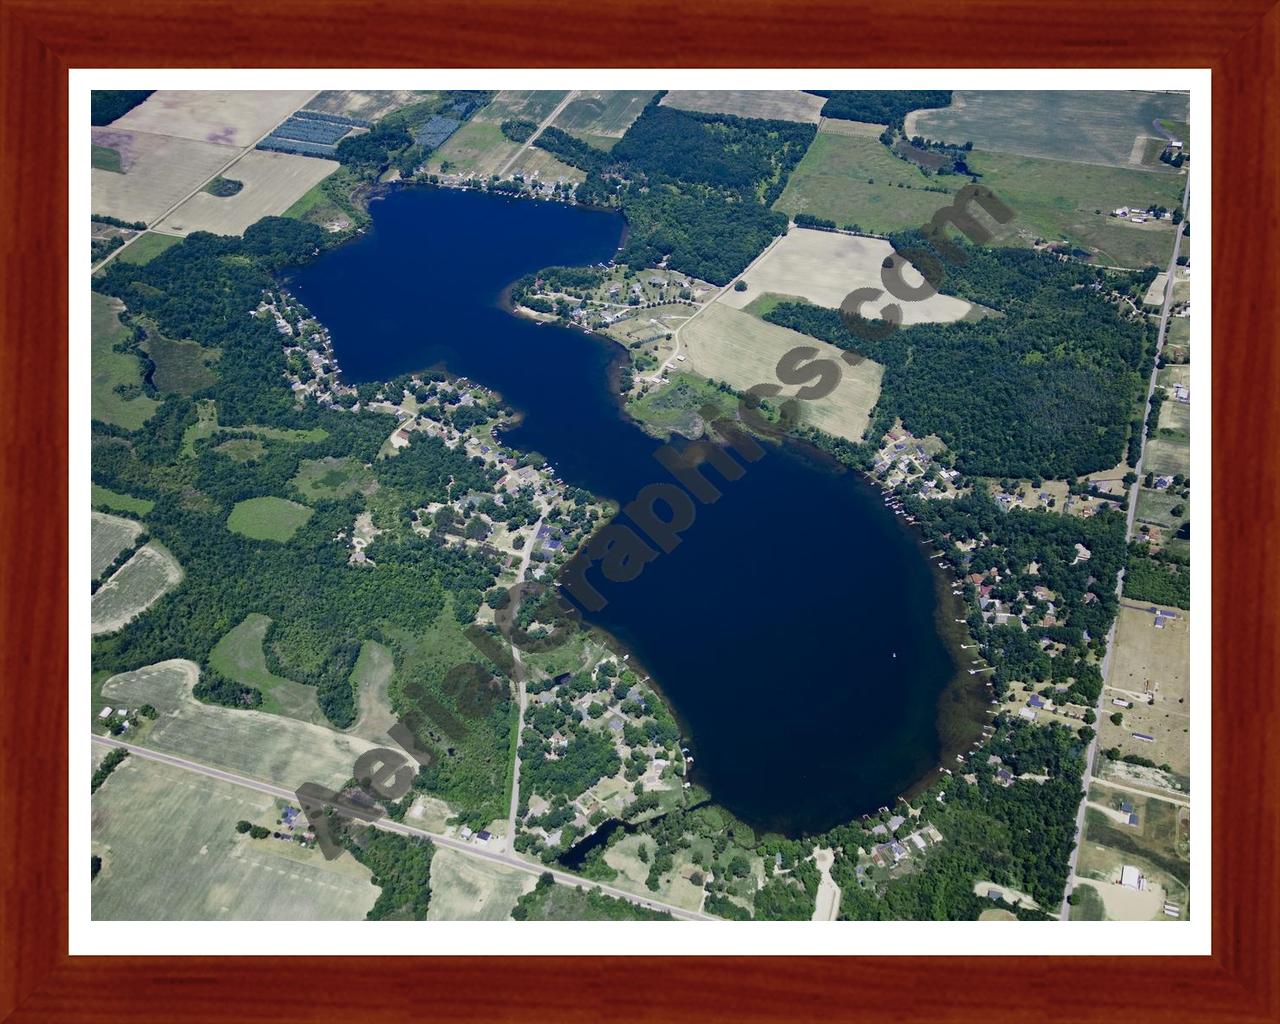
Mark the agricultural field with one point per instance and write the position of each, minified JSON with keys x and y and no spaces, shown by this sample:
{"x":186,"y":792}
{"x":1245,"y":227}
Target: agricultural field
{"x":170,"y":851}
{"x":1175,"y":416}
{"x":147,"y":247}
{"x":470,"y":889}
{"x":366,"y":104}
{"x":111,"y":372}
{"x":1150,"y":661}
{"x":134,"y":587}
{"x":768,"y":104}
{"x":104,"y":158}
{"x":602,"y":115}
{"x":110,"y":535}
{"x":181,"y":367}
{"x":330,"y":479}
{"x":851,"y":178}
{"x":733,"y":346}
{"x":524,"y":104}
{"x":1056,"y":200}
{"x":239,"y":656}
{"x":249,"y":742}
{"x":1100,"y":127}
{"x":1167,"y":457}
{"x":273,"y":182}
{"x":157,"y":171}
{"x":232,"y":118}
{"x":267,"y":518}
{"x":848,"y":176}
{"x":824,"y":266}
{"x":104,"y":497}
{"x":476,"y":150}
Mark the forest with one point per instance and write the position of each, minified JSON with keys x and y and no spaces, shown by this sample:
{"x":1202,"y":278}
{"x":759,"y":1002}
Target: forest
{"x":322,"y":607}
{"x":107,"y":105}
{"x":1044,"y":388}
{"x":886,"y":106}
{"x":693,"y":186}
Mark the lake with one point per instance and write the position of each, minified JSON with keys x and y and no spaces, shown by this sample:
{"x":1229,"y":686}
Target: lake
{"x":796,"y":631}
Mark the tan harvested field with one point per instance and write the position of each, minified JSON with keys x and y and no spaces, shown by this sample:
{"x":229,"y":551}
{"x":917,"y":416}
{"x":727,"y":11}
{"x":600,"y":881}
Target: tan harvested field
{"x":467,"y":888}
{"x":838,"y":126}
{"x":134,"y":587}
{"x":730,"y":345}
{"x":263,"y":746}
{"x":1181,"y":287}
{"x":769,"y":104}
{"x":273,"y":182}
{"x":602,"y":114}
{"x":158,"y":171}
{"x":170,"y":851}
{"x":227,"y":118}
{"x":1150,"y":660}
{"x":366,"y":104}
{"x":825,"y":266}
{"x":110,"y":536}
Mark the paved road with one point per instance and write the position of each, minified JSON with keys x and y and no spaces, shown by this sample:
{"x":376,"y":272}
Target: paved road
{"x":530,"y":140}
{"x":1091,"y":753}
{"x":470,"y":849}
{"x":522,"y":701}
{"x":238,"y":154}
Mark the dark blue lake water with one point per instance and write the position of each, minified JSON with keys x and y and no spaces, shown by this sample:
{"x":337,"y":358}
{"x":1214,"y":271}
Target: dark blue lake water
{"x":795,"y":630}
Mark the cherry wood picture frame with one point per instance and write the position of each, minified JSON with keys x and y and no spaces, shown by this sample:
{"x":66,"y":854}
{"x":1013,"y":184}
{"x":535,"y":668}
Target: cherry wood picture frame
{"x":41,"y":39}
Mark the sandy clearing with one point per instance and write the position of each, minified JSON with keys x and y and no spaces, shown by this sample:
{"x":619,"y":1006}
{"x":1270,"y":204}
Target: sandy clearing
{"x":226,"y":118}
{"x":825,"y":266}
{"x":827,"y":904}
{"x":134,"y":588}
{"x":770,"y":104}
{"x":1125,"y":904}
{"x":728,"y":344}
{"x":272,"y":183}
{"x":159,"y":171}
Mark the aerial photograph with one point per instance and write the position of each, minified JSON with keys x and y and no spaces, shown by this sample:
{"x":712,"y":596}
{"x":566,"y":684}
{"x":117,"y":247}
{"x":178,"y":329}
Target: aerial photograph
{"x":712,"y":505}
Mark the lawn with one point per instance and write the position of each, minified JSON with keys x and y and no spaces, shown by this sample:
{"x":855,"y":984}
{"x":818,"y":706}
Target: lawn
{"x":103,"y":497}
{"x":1156,"y":507}
{"x":242,"y":449}
{"x":330,"y":479}
{"x":268,"y":518}
{"x":1167,"y":457}
{"x":238,"y":656}
{"x":147,"y":247}
{"x":170,"y":851}
{"x":116,"y":394}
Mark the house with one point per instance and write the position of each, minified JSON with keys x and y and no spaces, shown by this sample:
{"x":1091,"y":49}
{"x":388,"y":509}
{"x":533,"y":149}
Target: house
{"x":483,"y":836}
{"x":896,"y":822}
{"x":1004,"y":777}
{"x":1027,"y":713}
{"x":994,"y":894}
{"x":1133,"y":819}
{"x":879,"y":830}
{"x":289,"y":815}
{"x":105,"y":713}
{"x":1036,"y":701}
